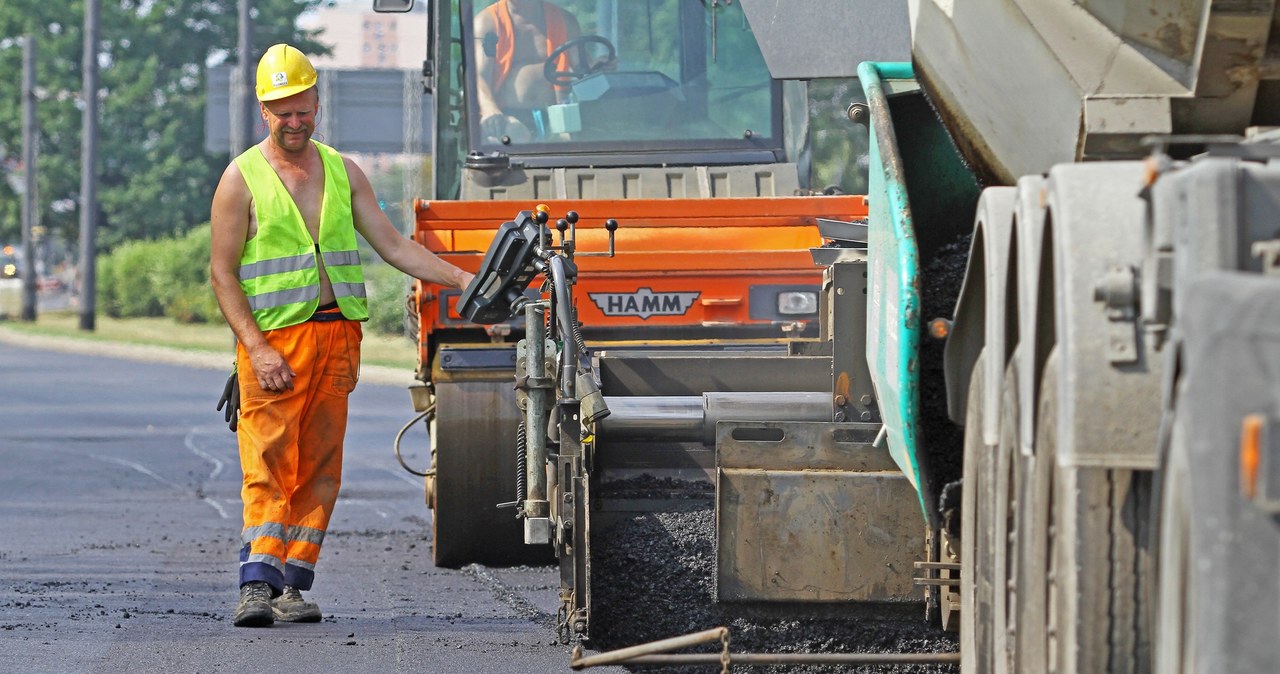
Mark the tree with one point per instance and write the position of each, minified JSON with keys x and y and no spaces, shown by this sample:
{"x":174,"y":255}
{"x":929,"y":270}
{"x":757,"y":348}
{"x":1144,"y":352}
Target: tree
{"x":840,"y":152}
{"x":155,"y":177}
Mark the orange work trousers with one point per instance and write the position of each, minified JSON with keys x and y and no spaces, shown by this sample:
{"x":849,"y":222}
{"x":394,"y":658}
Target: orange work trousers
{"x":291,"y":450}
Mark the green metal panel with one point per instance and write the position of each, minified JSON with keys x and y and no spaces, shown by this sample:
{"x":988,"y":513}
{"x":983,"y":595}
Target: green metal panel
{"x":922,"y":197}
{"x":894,"y":301}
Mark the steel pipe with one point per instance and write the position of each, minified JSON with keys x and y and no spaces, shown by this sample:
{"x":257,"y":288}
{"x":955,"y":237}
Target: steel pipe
{"x":656,"y":653}
{"x":671,"y":418}
{"x":789,"y":659}
{"x":629,"y":654}
{"x":694,"y":418}
{"x":536,"y":411}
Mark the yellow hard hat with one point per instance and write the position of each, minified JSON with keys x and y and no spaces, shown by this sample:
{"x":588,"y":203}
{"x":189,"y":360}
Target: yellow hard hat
{"x":283,"y":72}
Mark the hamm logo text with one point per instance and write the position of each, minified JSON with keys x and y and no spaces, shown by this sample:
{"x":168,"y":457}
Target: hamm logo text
{"x":644,"y":303}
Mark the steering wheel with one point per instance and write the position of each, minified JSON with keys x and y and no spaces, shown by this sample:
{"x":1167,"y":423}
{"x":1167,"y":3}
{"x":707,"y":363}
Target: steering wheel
{"x":563,"y":77}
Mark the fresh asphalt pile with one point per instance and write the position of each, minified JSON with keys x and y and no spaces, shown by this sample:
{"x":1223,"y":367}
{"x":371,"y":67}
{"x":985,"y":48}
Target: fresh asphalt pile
{"x":653,"y":577}
{"x":942,"y":440}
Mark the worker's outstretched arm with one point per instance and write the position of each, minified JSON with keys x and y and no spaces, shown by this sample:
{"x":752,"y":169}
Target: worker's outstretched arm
{"x":400,"y":252}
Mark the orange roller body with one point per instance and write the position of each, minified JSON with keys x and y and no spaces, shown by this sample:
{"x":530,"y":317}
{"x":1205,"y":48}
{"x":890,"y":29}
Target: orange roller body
{"x":685,"y":265}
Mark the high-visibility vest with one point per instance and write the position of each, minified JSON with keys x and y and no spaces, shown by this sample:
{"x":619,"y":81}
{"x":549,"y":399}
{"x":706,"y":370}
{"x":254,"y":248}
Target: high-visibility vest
{"x":278,"y":271}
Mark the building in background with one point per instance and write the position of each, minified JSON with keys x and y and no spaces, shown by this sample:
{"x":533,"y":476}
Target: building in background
{"x":361,"y":38}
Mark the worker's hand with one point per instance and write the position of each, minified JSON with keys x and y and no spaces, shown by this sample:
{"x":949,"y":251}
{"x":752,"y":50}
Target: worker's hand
{"x":603,"y":64}
{"x":231,"y":400}
{"x":271,"y":369}
{"x":494,"y":127}
{"x":464,"y":278}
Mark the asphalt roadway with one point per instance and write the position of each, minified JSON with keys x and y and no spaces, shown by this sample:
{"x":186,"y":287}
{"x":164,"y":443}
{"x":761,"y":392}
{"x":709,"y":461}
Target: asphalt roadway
{"x":120,"y":523}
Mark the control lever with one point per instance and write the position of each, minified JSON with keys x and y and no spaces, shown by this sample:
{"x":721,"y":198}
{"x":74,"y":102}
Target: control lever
{"x":610,"y":226}
{"x":521,"y":249}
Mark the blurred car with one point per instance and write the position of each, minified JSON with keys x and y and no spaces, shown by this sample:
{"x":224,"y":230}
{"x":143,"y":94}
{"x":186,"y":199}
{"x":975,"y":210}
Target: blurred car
{"x":8,"y":262}
{"x":48,"y":284}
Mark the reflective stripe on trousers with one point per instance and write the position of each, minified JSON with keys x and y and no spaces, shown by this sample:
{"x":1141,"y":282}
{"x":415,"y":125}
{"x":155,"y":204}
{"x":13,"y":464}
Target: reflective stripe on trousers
{"x":291,"y":450}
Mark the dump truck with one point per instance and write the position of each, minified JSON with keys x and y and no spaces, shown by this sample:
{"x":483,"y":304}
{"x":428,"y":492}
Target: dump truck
{"x":1106,"y":354}
{"x":1041,"y":394}
{"x":1116,"y":191}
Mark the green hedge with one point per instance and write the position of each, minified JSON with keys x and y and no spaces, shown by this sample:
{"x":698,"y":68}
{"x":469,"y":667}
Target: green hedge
{"x":387,"y":287}
{"x":164,"y":277}
{"x":170,"y":277}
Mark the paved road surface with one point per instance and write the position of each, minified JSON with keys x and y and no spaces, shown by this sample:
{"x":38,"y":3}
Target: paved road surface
{"x":119,"y":530}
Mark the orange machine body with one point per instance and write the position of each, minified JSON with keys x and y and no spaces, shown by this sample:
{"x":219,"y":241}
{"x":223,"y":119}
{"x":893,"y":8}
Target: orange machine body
{"x":685,"y":269}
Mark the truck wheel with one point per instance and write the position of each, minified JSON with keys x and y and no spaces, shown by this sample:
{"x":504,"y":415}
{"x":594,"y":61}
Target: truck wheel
{"x":987,"y":514}
{"x":1175,"y":638}
{"x":1004,"y":522}
{"x":1097,"y":562}
{"x":975,"y":564}
{"x":1032,"y":513}
{"x":475,"y":464}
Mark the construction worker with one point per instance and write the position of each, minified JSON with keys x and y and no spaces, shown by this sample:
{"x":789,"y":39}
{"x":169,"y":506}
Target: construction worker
{"x":286,"y":272}
{"x":514,"y":39}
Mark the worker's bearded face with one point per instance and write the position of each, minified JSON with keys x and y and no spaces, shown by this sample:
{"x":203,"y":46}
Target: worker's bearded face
{"x":290,"y":121}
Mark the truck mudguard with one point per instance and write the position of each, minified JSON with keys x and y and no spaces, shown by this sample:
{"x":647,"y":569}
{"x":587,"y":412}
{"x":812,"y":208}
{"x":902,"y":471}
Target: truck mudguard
{"x":1110,"y":374}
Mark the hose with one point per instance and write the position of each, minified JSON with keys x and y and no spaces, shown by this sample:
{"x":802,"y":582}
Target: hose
{"x":562,"y":308}
{"x":577,"y":332}
{"x":429,"y":412}
{"x":563,"y":298}
{"x":550,"y":289}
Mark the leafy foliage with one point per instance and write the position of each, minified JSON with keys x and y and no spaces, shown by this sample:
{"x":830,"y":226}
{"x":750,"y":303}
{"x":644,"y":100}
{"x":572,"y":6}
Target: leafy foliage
{"x":386,"y":287}
{"x":162,"y":277}
{"x":155,"y":178}
{"x":840,"y":152}
{"x":169,"y":276}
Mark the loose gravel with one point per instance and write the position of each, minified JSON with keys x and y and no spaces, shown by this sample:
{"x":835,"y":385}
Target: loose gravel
{"x":942,"y":440}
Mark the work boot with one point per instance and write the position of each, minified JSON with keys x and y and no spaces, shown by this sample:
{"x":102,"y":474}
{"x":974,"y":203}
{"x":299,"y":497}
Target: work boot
{"x":292,"y":608}
{"x":255,"y":605}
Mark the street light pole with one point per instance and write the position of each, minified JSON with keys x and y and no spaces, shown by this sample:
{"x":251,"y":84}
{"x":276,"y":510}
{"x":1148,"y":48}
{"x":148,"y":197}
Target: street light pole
{"x":88,"y":171}
{"x":29,"y":139}
{"x":241,"y":83}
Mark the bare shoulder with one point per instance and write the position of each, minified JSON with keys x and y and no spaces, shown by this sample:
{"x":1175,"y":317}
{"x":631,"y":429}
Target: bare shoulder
{"x":232,"y":186}
{"x":352,"y":166}
{"x":229,"y":215}
{"x":484,"y":22}
{"x":571,"y":25}
{"x":231,"y":175}
{"x":355,"y":174}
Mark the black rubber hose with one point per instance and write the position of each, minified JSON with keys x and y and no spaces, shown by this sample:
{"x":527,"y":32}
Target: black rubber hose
{"x":577,"y":333}
{"x":427,"y":414}
{"x":565,"y":322}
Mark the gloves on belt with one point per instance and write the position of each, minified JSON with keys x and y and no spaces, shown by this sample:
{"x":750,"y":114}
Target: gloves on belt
{"x":231,"y":400}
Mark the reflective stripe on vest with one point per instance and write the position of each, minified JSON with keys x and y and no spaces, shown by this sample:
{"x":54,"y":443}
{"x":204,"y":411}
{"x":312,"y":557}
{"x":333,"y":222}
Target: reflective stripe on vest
{"x":278,"y":270}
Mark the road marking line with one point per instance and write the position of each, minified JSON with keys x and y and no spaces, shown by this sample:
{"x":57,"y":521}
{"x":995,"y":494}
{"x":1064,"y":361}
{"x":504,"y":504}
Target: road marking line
{"x":221,"y":511}
{"x":148,"y":472}
{"x":363,"y":502}
{"x":189,"y":441}
{"x":398,"y":474}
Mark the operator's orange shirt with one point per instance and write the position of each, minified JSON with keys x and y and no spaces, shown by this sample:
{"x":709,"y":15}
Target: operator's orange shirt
{"x":557,"y":34}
